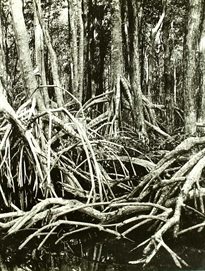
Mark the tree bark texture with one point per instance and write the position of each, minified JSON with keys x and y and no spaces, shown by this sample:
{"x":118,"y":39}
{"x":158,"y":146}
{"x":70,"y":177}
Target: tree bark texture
{"x":39,"y":52}
{"x":23,"y":51}
{"x":201,"y":108}
{"x":3,"y":74}
{"x":191,"y":74}
{"x":80,"y":50}
{"x":116,"y":61}
{"x":53,"y":60}
{"x":168,"y":72}
{"x":135,"y":72}
{"x":72,"y":14}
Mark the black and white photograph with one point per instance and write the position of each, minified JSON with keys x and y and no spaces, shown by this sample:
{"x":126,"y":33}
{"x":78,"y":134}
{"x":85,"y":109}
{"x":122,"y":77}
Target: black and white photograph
{"x":102,"y":135}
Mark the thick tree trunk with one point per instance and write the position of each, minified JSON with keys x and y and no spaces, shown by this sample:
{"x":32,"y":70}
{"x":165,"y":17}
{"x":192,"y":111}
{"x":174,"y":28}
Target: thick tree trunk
{"x":135,"y":71}
{"x":201,"y":111}
{"x":21,"y":38}
{"x":191,"y":74}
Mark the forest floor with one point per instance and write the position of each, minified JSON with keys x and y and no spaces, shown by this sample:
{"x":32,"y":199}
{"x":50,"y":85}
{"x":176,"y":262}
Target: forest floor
{"x":63,"y":180}
{"x":96,"y":254}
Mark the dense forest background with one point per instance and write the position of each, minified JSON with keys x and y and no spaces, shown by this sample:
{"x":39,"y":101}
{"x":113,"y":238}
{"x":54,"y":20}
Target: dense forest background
{"x":102,"y":107}
{"x":132,"y":54}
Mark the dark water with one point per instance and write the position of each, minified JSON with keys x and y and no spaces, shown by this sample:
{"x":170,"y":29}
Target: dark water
{"x":92,"y":253}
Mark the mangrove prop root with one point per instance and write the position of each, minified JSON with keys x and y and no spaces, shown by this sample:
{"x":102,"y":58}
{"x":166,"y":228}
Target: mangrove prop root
{"x":155,"y":202}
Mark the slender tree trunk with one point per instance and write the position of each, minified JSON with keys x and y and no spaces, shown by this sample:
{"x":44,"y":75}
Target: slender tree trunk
{"x":53,"y":59}
{"x":80,"y":50}
{"x":100,"y":88}
{"x":191,"y":73}
{"x":23,"y":51}
{"x":72,"y":14}
{"x":39,"y":50}
{"x":135,"y":71}
{"x":89,"y":50}
{"x":168,"y":72}
{"x":155,"y":43}
{"x":3,"y":73}
{"x":125,"y":37}
{"x":116,"y":63}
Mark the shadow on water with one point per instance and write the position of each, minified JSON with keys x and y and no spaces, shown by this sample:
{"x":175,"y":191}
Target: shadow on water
{"x":96,"y":254}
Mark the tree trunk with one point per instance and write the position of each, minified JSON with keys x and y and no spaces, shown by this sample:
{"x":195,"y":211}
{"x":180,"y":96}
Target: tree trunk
{"x":80,"y":51}
{"x":3,"y":74}
{"x":155,"y":41}
{"x":201,"y":111}
{"x":39,"y":50}
{"x":168,"y":72}
{"x":135,"y":71}
{"x":53,"y":60}
{"x":89,"y":27}
{"x":191,"y":74}
{"x":23,"y":51}
{"x":72,"y":11}
{"x":125,"y":37}
{"x":116,"y":63}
